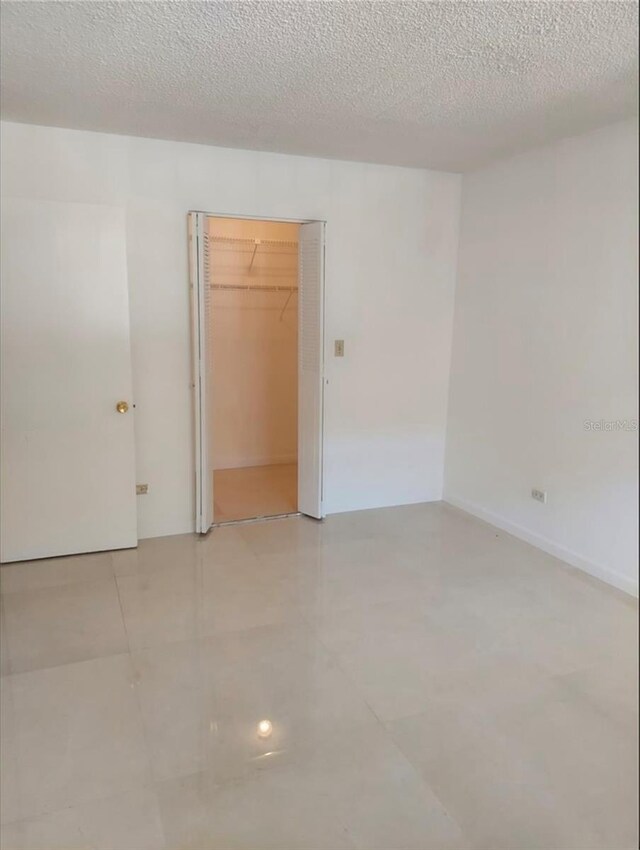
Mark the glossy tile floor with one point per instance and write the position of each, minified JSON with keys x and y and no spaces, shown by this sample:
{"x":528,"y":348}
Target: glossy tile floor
{"x":255,"y":491}
{"x":429,"y":681}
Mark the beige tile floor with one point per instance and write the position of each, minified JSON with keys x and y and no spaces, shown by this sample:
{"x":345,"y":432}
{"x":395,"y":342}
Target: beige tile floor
{"x":431,"y":683}
{"x":255,"y":491}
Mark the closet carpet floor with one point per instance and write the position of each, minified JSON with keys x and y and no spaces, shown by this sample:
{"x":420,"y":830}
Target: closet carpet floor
{"x":255,"y":491}
{"x":399,"y":678}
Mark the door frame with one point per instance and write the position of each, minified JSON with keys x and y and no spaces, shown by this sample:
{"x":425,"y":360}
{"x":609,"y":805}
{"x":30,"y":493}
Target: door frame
{"x":198,"y":372}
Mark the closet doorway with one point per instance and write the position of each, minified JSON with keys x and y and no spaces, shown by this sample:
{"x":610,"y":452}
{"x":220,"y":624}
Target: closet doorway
{"x":258,"y":295}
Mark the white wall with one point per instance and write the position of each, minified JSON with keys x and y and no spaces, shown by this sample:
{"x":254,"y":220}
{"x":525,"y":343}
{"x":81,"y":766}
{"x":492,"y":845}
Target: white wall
{"x":390,"y":273}
{"x":545,"y":338}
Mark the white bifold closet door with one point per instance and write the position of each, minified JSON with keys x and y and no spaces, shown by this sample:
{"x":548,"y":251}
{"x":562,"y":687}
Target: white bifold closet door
{"x":200,"y":281}
{"x":310,"y":367}
{"x":68,"y":464}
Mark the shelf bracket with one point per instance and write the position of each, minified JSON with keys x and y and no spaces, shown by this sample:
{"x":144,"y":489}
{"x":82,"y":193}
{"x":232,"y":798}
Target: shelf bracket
{"x":253,"y":256}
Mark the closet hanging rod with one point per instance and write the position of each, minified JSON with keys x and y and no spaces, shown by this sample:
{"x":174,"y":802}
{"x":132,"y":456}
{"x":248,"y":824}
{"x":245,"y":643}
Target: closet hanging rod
{"x":234,"y":251}
{"x":248,"y":286}
{"x":222,"y":271}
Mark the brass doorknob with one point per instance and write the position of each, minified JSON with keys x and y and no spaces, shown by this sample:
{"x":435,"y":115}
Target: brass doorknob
{"x":122,"y":407}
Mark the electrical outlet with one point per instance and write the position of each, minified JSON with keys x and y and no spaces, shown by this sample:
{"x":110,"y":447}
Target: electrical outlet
{"x":338,"y":348}
{"x":142,"y":489}
{"x":539,"y":495}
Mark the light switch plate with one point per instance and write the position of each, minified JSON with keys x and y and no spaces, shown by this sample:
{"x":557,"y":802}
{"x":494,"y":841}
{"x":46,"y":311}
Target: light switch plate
{"x":338,"y":348}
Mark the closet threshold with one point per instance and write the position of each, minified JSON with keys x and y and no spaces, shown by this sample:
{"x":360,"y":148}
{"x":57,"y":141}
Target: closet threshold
{"x":248,"y":520}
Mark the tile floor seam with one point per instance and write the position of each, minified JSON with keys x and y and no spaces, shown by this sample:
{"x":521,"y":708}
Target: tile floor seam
{"x":148,"y":784}
{"x":389,"y":737}
{"x":367,"y":710}
{"x":53,"y":667}
{"x":102,"y":798}
{"x":86,"y":660}
{"x":122,"y":616}
{"x":45,"y":593}
{"x":5,"y":639}
{"x":143,"y":725}
{"x":381,"y":724}
{"x":75,"y":581}
{"x":567,"y":568}
{"x":18,"y":767}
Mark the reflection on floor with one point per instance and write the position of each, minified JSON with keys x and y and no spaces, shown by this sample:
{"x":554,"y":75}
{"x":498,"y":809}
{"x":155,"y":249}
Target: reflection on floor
{"x":254,"y":491}
{"x":429,"y":682}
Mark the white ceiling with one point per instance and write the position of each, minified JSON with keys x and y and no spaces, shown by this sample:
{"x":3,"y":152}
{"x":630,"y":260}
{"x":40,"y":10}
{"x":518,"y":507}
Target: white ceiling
{"x":448,"y":85}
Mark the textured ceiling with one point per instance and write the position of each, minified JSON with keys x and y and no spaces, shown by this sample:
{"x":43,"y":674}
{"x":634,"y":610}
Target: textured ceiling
{"x":447,"y":85}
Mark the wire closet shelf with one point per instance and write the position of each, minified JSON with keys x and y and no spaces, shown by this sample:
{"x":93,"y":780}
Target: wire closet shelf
{"x":270,"y":247}
{"x":252,"y":287}
{"x":248,"y":287}
{"x":234,"y":243}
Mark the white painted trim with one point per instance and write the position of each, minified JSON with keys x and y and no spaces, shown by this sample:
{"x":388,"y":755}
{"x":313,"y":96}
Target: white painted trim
{"x":195,"y":357}
{"x":259,"y":217}
{"x":596,"y":570}
{"x":203,"y":480}
{"x":311,"y":368}
{"x":201,"y":425}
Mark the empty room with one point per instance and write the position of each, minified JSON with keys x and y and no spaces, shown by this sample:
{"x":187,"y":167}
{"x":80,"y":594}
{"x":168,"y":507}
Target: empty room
{"x":319,"y":425}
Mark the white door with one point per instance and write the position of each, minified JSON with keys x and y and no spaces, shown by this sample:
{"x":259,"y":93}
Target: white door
{"x":68,"y":466}
{"x":310,"y":367}
{"x":199,"y":275}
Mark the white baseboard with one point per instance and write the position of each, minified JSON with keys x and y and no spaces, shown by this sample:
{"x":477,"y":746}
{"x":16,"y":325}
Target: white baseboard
{"x":241,"y":463}
{"x":558,"y":551}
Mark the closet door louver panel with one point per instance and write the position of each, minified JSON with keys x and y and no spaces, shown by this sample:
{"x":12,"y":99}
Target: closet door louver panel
{"x":200,"y":275}
{"x":310,"y":367}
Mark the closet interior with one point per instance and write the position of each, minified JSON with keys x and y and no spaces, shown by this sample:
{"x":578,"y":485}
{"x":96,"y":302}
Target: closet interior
{"x":254,"y":314}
